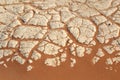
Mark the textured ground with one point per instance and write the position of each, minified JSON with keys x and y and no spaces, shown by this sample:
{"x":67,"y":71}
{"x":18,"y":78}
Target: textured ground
{"x":59,"y":30}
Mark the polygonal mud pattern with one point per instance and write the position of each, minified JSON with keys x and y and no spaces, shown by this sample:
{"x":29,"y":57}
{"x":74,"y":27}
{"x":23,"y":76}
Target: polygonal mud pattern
{"x":32,"y":29}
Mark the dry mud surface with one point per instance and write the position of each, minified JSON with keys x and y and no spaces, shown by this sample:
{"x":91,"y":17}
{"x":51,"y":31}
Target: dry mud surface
{"x":59,"y":39}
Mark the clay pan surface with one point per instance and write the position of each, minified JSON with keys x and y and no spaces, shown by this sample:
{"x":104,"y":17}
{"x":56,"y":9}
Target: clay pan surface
{"x":59,"y":39}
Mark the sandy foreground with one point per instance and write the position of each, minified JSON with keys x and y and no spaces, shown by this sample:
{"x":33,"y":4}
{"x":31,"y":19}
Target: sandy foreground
{"x":59,"y":39}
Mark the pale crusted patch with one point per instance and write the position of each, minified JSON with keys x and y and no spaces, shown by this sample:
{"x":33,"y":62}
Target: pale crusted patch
{"x":26,"y":47}
{"x":48,"y":48}
{"x":25,"y":32}
{"x":58,"y":36}
{"x":53,"y":62}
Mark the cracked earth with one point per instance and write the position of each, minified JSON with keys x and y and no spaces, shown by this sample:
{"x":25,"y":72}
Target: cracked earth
{"x":62,"y":30}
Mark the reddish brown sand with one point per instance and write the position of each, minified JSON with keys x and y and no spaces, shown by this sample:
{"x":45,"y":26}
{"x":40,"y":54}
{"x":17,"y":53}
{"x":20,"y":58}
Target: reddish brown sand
{"x":82,"y":71}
